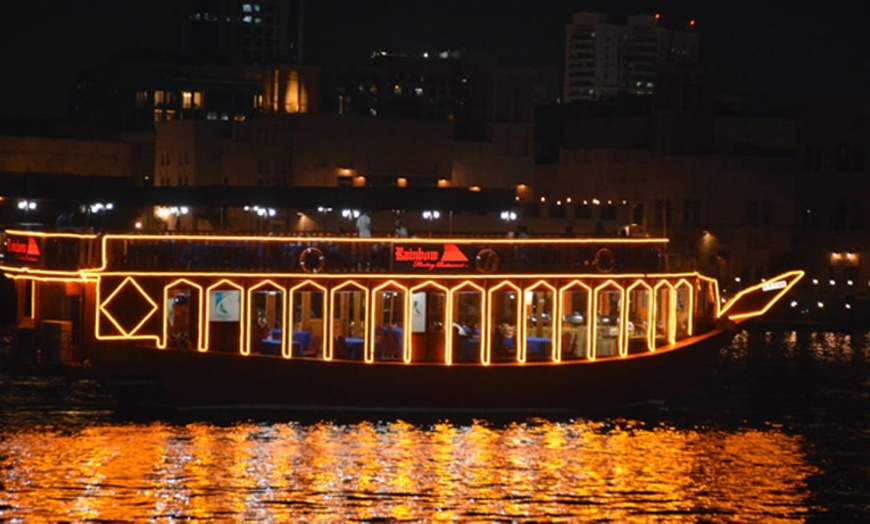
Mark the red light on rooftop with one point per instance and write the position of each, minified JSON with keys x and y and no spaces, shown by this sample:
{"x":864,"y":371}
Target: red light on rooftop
{"x":658,"y":16}
{"x":691,"y":23}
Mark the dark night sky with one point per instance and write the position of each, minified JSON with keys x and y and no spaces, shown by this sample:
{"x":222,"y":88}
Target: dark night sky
{"x":43,"y":43}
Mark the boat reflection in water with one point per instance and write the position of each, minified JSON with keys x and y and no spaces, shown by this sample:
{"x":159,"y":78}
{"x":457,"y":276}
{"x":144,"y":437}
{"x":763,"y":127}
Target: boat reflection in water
{"x":398,"y":471}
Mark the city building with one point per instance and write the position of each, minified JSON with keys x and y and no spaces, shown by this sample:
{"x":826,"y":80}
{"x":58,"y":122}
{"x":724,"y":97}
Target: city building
{"x":241,"y":32}
{"x":608,"y":56}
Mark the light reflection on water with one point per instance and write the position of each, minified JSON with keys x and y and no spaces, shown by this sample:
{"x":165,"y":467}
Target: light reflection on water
{"x":777,"y":433}
{"x":604,"y":470}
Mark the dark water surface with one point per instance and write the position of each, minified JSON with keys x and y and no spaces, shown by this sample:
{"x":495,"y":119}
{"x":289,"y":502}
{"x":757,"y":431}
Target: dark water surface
{"x":778,"y":432}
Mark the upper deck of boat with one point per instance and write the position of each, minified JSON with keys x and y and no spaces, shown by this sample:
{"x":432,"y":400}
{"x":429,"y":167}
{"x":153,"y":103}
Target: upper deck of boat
{"x":328,"y":254}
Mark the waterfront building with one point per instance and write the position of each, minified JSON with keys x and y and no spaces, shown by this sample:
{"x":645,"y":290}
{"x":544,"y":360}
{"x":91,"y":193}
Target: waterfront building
{"x":607,"y":55}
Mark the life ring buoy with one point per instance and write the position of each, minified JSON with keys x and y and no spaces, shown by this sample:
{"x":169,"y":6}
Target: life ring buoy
{"x":486,"y":261}
{"x":312,"y":260}
{"x":604,"y":261}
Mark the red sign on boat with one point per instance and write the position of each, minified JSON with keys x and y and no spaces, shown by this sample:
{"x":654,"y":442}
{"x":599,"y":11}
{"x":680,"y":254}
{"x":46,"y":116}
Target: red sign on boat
{"x":22,"y":250}
{"x":429,"y":257}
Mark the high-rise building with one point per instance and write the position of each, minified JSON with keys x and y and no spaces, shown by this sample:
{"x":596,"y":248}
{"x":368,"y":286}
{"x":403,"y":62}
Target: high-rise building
{"x":242,"y":32}
{"x":234,"y":59}
{"x":609,"y":55}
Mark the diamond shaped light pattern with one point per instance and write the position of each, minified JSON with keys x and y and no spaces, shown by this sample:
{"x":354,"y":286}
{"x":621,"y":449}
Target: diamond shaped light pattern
{"x":128,"y":307}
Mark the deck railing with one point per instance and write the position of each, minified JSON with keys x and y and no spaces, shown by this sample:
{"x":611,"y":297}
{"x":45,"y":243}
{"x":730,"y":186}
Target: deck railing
{"x":305,"y":255}
{"x":324,"y":255}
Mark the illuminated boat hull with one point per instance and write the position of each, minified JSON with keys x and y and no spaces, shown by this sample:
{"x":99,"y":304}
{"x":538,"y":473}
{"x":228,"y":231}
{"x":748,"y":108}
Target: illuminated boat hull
{"x":144,"y":378}
{"x":304,"y":323}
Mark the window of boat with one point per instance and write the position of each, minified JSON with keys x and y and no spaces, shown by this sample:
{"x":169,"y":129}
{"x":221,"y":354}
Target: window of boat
{"x":465,"y":320}
{"x":683,"y":310}
{"x":181,"y":318}
{"x":504,"y":319}
{"x":389,"y":325}
{"x":705,"y":306}
{"x":575,"y":304}
{"x":26,"y":308}
{"x":348,"y":306}
{"x":266,"y":321}
{"x":662,"y":314}
{"x":308,"y":311}
{"x":427,"y":322}
{"x":225,"y":317}
{"x":607,"y":305}
{"x":639,"y":317}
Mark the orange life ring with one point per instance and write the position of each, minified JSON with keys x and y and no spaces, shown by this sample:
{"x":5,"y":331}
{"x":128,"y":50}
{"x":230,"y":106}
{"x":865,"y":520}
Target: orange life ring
{"x":312,"y":260}
{"x":604,"y":260}
{"x":486,"y":261}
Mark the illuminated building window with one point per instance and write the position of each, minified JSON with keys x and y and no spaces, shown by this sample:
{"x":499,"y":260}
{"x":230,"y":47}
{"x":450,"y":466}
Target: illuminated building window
{"x":158,"y":96}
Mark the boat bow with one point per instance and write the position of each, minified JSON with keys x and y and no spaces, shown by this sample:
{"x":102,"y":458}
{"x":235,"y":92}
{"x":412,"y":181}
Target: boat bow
{"x":756,"y":300}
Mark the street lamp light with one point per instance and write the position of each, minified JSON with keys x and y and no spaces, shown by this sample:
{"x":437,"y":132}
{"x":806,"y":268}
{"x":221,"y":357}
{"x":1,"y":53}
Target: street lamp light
{"x":99,"y":208}
{"x":258,"y":212}
{"x":350,"y":214}
{"x":27,"y":205}
{"x":430,"y":215}
{"x":163,"y":213}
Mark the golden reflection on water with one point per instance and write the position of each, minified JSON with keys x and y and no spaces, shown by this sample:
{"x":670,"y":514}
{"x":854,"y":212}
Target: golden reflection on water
{"x":619,"y":470}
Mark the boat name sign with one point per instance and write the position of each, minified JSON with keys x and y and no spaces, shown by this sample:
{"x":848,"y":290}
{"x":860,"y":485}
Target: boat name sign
{"x":23,"y":250}
{"x":430,"y":257}
{"x":773,"y":286}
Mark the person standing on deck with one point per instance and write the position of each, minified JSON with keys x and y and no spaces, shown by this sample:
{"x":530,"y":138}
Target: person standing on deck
{"x":364,"y":225}
{"x":401,"y":230}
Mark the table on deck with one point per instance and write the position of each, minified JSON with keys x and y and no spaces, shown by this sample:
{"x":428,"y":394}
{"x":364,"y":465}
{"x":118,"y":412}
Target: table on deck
{"x":538,"y":346}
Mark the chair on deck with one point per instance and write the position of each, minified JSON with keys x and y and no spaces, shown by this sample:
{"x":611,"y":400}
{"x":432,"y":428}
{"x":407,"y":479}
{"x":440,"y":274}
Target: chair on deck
{"x":389,"y":343}
{"x":340,"y":350}
{"x":313,"y":349}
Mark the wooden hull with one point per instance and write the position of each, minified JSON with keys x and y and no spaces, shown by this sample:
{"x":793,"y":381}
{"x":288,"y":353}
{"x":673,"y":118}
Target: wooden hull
{"x":186,"y":380}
